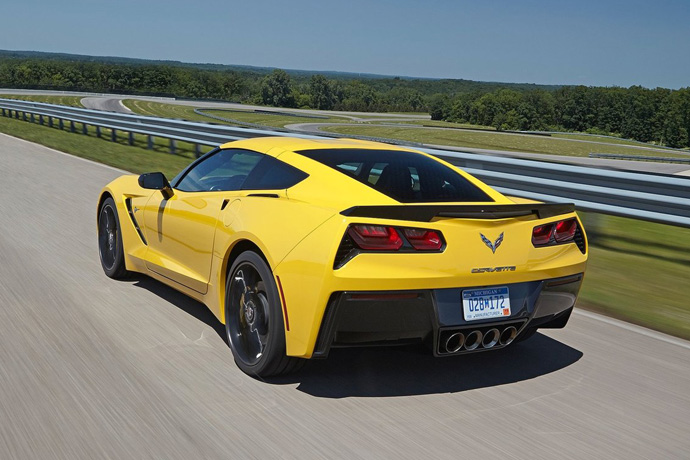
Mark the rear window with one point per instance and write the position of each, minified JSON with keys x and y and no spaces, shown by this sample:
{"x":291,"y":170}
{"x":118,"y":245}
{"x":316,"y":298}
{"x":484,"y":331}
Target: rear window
{"x":404,"y":176}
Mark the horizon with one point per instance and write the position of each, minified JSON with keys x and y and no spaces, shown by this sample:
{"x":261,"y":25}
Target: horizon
{"x":321,"y":71}
{"x":610,"y":43}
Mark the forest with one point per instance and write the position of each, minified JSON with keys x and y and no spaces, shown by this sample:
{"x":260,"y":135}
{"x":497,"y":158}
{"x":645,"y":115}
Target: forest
{"x":649,"y":115}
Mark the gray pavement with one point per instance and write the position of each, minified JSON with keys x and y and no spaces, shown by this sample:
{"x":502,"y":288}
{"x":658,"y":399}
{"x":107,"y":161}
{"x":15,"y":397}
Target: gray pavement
{"x":95,"y":368}
{"x":108,"y":104}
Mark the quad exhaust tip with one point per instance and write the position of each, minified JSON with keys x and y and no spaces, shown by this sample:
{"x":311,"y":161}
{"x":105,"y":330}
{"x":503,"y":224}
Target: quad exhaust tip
{"x":491,"y":338}
{"x":459,"y":341}
{"x":455,"y":342}
{"x":473,"y":340}
{"x":508,"y":335}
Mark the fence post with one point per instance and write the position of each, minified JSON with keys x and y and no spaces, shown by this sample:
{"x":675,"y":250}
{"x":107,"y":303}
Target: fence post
{"x":173,"y":144}
{"x":71,"y":126}
{"x":24,"y":116}
{"x":50,"y":121}
{"x":32,"y":119}
{"x":98,"y":131}
{"x":3,"y":113}
{"x":61,"y":124}
{"x":85,"y":129}
{"x":113,"y":135}
{"x":131,"y":138}
{"x":40,"y":120}
{"x":149,"y":142}
{"x":16,"y":114}
{"x":197,"y":150}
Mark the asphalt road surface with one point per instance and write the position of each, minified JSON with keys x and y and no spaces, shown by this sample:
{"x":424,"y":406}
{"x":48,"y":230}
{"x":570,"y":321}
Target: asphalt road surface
{"x":109,"y":104}
{"x":93,"y":368}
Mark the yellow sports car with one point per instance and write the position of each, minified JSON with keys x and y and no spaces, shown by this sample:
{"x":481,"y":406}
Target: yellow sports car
{"x":299,"y":245}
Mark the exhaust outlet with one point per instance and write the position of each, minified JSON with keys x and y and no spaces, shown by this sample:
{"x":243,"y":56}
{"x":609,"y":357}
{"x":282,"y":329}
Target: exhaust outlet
{"x":455,"y":342}
{"x":491,"y":338}
{"x":508,"y":335}
{"x":473,"y":340}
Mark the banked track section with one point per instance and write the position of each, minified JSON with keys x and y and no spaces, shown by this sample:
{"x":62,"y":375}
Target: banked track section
{"x":650,"y":197}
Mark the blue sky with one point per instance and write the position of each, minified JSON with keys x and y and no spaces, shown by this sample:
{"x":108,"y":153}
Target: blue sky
{"x":586,"y":42}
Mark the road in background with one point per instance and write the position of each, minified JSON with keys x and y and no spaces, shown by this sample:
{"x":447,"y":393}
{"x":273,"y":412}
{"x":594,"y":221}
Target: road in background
{"x":96,"y":368}
{"x":109,"y":104}
{"x":113,"y":103}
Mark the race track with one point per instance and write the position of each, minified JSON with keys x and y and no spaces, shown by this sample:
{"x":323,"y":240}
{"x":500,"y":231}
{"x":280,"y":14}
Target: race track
{"x":95,"y":368}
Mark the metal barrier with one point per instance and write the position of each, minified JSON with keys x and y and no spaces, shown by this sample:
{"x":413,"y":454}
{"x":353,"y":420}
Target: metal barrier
{"x":650,"y":197}
{"x":618,"y":156}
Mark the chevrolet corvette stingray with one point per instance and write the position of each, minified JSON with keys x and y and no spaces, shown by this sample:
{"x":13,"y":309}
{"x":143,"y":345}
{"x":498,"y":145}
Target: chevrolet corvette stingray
{"x":301,"y":245}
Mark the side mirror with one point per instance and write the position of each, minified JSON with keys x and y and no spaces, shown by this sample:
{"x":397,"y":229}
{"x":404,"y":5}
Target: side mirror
{"x":156,"y":181}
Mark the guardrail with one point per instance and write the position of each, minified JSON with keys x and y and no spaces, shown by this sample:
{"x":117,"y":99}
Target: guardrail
{"x":619,"y":156}
{"x":650,"y":197}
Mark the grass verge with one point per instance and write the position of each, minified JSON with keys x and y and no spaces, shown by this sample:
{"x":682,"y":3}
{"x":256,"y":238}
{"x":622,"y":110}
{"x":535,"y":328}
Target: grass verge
{"x":72,"y":101}
{"x":500,"y":141}
{"x":136,"y":158}
{"x":186,"y":112}
{"x":638,"y":271}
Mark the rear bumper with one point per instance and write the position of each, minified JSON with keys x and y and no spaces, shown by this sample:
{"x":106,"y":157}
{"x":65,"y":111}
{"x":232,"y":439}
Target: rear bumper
{"x":358,"y":318}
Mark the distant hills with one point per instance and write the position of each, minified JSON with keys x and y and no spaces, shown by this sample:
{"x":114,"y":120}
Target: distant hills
{"x":442,"y":85}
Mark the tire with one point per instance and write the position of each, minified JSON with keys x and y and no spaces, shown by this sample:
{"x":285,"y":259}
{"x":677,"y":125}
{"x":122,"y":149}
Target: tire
{"x":254,"y":319}
{"x":110,"y":248}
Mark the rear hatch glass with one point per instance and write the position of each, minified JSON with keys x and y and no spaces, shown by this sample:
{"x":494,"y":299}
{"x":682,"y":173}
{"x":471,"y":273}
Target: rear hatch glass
{"x":407,"y":177}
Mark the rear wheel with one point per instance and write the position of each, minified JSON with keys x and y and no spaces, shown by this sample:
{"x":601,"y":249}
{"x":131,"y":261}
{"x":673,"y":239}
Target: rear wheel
{"x":110,"y":247}
{"x":254,"y":319}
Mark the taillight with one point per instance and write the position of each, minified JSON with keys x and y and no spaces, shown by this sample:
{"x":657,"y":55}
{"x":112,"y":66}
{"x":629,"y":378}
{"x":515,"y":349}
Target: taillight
{"x":563,"y":231}
{"x":541,"y":235}
{"x":375,"y":237}
{"x":423,"y":240}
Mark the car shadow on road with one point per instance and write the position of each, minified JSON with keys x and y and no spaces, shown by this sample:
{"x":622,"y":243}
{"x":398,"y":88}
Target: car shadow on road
{"x":181,"y":301}
{"x":409,"y":370}
{"x":399,"y":371}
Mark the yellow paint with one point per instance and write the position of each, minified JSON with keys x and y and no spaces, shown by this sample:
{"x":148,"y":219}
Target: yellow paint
{"x":190,"y":239}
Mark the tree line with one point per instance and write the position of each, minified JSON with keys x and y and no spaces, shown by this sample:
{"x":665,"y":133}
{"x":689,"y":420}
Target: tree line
{"x":659,"y":115}
{"x":648,"y":115}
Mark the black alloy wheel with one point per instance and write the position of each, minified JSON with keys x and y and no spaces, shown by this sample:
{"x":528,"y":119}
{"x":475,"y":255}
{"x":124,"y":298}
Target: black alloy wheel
{"x":110,"y":246}
{"x":254,"y":319}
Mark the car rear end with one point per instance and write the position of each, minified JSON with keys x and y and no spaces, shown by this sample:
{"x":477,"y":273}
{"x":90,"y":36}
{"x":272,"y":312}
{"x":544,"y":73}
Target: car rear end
{"x":461,"y":275}
{"x":459,"y":284}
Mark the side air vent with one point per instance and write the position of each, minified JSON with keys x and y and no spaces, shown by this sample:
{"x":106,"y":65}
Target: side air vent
{"x":128,"y":203}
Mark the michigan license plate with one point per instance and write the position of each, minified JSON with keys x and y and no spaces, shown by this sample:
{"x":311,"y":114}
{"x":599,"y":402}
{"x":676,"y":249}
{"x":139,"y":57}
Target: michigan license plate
{"x":485,"y":303}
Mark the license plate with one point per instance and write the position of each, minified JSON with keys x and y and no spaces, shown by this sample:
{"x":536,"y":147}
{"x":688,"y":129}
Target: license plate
{"x":485,"y":303}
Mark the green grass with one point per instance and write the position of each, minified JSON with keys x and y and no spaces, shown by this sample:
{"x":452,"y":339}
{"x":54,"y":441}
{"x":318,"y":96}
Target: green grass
{"x":637,"y":271}
{"x":136,"y":159}
{"x":265,"y":119}
{"x":496,"y":141}
{"x":159,"y":109}
{"x":72,"y":101}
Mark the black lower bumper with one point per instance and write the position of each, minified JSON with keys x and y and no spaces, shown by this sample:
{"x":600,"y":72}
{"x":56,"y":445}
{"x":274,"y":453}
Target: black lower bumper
{"x":436,"y":317}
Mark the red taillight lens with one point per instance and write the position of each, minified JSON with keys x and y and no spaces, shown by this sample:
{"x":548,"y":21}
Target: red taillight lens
{"x":423,"y":240}
{"x":375,"y":237}
{"x":565,"y":230}
{"x":541,"y":235}
{"x":562,"y":231}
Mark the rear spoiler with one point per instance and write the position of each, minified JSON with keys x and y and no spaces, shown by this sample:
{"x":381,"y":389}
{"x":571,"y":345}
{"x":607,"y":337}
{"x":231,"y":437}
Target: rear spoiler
{"x":426,"y":213}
